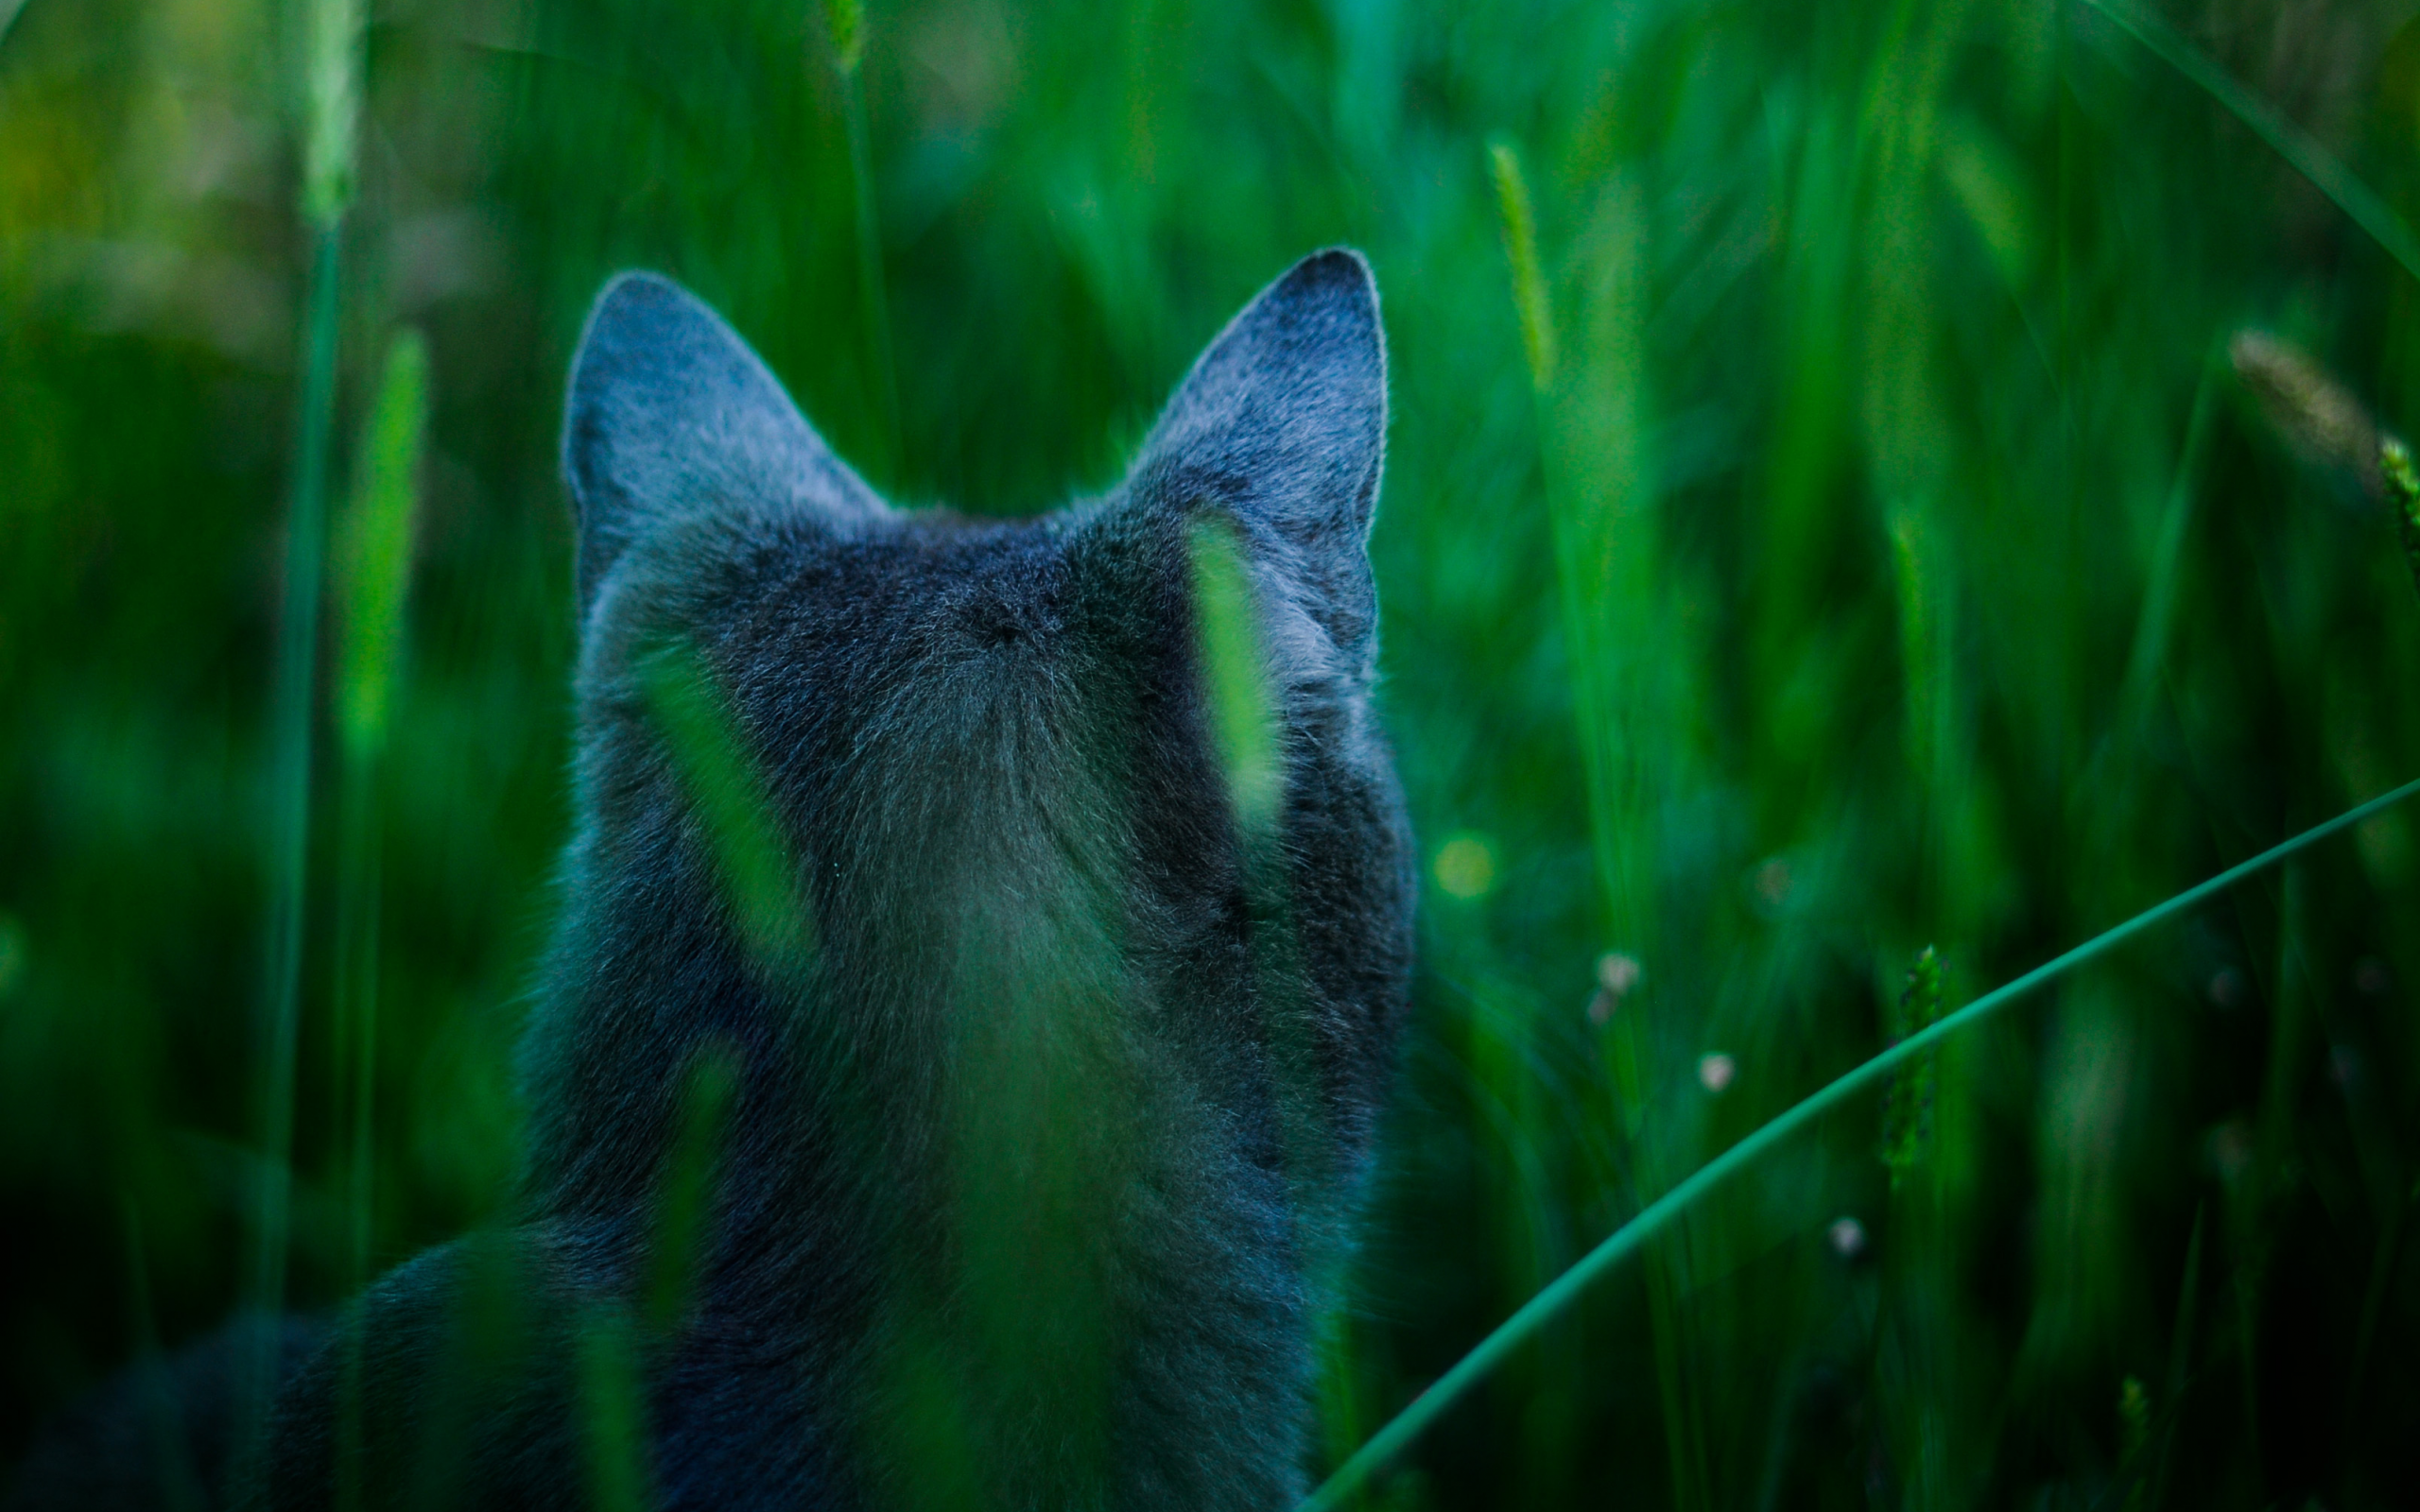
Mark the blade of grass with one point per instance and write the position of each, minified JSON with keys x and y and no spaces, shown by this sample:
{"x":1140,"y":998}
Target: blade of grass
{"x":2290,"y":141}
{"x":847,"y":20}
{"x":683,"y":1242}
{"x":2180,"y":1364}
{"x":2150,"y":649}
{"x":615,"y":1405}
{"x":746,"y":837}
{"x":331,"y":100}
{"x":1509,"y":1335}
{"x":291,"y":817}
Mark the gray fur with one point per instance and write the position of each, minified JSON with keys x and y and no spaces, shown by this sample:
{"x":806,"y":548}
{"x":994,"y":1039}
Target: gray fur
{"x":1043,"y":1152}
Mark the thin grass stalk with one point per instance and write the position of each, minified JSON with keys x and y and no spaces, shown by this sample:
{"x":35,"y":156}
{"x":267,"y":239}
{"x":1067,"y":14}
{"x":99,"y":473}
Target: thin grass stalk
{"x":847,"y":21}
{"x":1591,"y":430}
{"x":1579,"y":531}
{"x":2149,"y":651}
{"x":289,"y":835}
{"x":1425,"y":1409}
{"x":1502,"y":1050}
{"x":2301,"y":151}
{"x":331,"y":98}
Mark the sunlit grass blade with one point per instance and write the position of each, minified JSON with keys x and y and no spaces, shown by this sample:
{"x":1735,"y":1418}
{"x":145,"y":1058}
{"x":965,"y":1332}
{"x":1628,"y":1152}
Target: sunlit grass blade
{"x":1243,"y":712}
{"x":2290,"y":141}
{"x":1520,"y":227}
{"x":1425,"y":1409}
{"x":743,"y":830}
{"x":1247,"y":732}
{"x":374,"y":549}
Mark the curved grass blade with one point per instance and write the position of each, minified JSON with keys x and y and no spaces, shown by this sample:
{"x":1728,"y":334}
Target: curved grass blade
{"x":1566,"y":1289}
{"x":2289,"y":141}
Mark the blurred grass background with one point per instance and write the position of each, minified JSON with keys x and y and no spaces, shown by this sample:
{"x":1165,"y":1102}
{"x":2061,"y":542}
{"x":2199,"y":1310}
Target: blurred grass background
{"x":1869,"y":543}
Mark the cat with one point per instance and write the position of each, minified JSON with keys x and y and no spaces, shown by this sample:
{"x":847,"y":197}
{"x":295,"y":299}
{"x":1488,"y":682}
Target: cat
{"x":957,"y":1060}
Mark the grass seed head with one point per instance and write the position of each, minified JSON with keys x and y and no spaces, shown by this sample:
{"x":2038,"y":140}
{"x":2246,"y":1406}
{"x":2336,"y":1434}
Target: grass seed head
{"x":2313,"y":411}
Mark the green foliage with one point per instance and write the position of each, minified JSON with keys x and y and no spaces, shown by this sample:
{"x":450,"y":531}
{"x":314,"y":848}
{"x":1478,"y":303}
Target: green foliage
{"x":1828,"y":508}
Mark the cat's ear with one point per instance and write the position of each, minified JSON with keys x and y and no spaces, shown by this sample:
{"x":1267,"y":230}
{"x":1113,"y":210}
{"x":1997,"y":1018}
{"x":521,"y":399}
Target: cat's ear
{"x":670,"y":416}
{"x":1283,"y":423}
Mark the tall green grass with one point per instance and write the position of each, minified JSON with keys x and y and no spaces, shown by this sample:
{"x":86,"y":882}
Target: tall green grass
{"x":1839,"y":527}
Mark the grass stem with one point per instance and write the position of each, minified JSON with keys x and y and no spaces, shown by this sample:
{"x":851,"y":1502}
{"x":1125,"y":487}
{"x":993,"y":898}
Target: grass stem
{"x":873,"y":293}
{"x":1426,"y":1408}
{"x":291,"y":807}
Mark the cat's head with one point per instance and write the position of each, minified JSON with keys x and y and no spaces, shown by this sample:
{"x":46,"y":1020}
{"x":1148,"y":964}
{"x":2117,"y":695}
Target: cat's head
{"x":983,"y":760}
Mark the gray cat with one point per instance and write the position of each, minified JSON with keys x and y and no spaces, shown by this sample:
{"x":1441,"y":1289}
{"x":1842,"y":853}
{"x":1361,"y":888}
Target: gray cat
{"x":951,"y":1081}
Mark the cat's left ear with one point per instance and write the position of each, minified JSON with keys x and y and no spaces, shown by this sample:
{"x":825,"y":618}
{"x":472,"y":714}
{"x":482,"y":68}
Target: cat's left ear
{"x":1283,"y":424}
{"x":672,"y":416}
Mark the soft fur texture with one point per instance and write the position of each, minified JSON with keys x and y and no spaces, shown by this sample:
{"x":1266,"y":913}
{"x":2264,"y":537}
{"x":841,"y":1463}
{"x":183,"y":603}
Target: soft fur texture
{"x":1044,"y":1137}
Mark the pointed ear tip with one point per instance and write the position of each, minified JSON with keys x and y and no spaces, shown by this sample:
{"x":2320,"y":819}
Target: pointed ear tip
{"x":1334,"y":272}
{"x":1340,"y":265}
{"x":1338,"y":284}
{"x":636,"y":286}
{"x":630,"y":306}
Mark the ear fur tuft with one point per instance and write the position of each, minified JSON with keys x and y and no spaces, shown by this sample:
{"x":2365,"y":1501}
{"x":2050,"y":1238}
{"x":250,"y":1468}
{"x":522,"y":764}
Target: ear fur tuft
{"x":671,"y":415}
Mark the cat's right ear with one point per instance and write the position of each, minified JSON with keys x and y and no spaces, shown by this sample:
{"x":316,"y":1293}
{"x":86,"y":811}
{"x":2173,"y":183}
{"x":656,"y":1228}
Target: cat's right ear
{"x":672,"y":416}
{"x":1282,"y":425}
